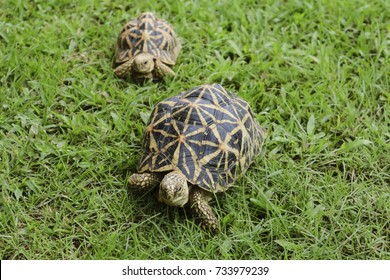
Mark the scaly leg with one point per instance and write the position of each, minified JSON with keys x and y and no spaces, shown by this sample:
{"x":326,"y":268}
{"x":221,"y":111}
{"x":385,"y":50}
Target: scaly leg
{"x":162,"y":69}
{"x":143,"y":182}
{"x":124,"y":69}
{"x":200,"y":207}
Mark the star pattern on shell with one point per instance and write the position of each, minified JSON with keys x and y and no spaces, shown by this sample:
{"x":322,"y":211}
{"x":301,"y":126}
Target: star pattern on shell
{"x":207,"y":133}
{"x":147,"y":34}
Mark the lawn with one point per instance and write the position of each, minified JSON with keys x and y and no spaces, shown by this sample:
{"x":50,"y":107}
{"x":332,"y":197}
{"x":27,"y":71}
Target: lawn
{"x":316,"y":73}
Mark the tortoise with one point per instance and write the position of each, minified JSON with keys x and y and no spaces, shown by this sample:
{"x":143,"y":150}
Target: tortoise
{"x":146,"y":48}
{"x":195,"y":145}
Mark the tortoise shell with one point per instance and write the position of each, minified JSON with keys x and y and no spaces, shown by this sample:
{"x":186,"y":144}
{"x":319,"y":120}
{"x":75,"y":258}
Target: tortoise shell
{"x":147,"y":34}
{"x":207,"y":133}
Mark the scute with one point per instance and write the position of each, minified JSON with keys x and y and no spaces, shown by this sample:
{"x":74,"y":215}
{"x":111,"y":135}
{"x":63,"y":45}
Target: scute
{"x":207,"y":133}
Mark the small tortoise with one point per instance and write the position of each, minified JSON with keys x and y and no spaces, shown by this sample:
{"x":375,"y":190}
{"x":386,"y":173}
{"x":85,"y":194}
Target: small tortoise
{"x":147,"y":48}
{"x":196,"y":144}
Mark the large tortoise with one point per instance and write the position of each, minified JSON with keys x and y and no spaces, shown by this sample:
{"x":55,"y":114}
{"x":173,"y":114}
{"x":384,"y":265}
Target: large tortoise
{"x":196,"y":144}
{"x":147,"y":48}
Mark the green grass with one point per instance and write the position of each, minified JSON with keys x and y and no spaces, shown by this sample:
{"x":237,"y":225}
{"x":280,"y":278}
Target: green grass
{"x":315,"y":72}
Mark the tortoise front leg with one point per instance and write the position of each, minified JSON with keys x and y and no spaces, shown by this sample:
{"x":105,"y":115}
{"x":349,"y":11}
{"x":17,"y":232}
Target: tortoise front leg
{"x":162,"y":69}
{"x":124,"y":69}
{"x":199,"y":203}
{"x":143,"y":182}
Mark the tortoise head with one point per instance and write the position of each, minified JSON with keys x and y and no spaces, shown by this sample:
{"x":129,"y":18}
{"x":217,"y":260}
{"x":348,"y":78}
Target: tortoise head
{"x":143,"y":63}
{"x":174,"y":189}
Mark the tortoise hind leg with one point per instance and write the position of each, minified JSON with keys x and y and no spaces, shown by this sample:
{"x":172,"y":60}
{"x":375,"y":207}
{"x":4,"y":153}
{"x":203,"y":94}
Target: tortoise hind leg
{"x":143,"y":182}
{"x":199,"y":203}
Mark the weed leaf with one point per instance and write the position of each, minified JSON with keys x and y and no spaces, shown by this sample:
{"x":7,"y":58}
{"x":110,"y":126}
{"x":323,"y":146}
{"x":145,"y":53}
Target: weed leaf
{"x":310,"y":125}
{"x":348,"y":146}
